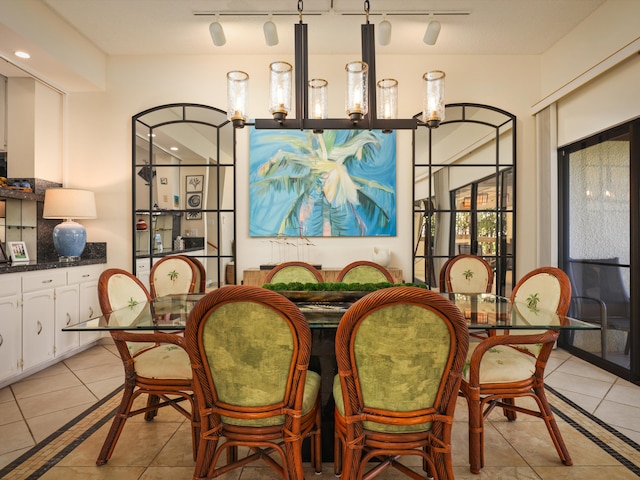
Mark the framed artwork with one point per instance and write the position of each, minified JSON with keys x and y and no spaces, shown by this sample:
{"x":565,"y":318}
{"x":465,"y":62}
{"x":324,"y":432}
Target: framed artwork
{"x":18,"y":252}
{"x":194,"y":183}
{"x":3,"y":255}
{"x":195,"y":215}
{"x":330,"y":184}
{"x":194,"y":201}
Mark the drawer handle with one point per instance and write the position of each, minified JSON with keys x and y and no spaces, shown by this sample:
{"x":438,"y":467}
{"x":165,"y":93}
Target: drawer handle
{"x":90,"y":312}
{"x":1,"y":340}
{"x":39,"y":327}
{"x":47,"y":281}
{"x":68,"y":318}
{"x":86,"y":275}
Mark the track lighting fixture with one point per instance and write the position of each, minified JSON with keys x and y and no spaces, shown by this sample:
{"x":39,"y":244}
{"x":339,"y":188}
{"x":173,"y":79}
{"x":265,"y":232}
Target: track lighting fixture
{"x":270,"y":32}
{"x":384,"y":32}
{"x":217,"y":33}
{"x":432,"y":32}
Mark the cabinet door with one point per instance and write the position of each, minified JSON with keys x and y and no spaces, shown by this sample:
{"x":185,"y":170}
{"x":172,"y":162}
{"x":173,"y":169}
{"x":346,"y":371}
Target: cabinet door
{"x":38,"y":317}
{"x":9,"y":336}
{"x":89,"y":308}
{"x":67,"y":302}
{"x":143,"y":271}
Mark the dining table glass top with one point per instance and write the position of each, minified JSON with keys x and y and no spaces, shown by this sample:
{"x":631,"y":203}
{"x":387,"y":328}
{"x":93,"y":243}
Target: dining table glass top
{"x":482,"y":311}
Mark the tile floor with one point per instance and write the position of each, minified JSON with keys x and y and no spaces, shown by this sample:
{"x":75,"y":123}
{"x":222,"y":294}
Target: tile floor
{"x":30,"y":410}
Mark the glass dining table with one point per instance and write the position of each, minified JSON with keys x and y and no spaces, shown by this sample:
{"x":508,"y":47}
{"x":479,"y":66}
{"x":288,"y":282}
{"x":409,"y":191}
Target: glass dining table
{"x":484,"y":312}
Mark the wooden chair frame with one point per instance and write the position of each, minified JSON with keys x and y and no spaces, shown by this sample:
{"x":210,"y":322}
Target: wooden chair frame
{"x":281,"y":266}
{"x":192,"y":266}
{"x":354,"y":444}
{"x":161,"y":392}
{"x":482,"y":398}
{"x":364,"y":263}
{"x":481,"y":261}
{"x":201,"y":277}
{"x":285,"y":439}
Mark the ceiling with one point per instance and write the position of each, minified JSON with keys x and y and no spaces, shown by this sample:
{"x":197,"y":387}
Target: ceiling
{"x":148,"y":27}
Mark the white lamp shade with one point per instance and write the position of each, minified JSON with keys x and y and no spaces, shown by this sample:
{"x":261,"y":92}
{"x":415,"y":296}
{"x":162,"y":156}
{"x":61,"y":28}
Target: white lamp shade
{"x":69,"y":203}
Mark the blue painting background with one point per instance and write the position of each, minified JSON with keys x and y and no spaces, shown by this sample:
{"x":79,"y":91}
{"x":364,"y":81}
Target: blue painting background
{"x":289,"y":180}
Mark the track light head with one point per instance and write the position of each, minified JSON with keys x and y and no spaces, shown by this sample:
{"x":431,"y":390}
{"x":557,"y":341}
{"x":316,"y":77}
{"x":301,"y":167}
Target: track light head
{"x":432,"y":32}
{"x":384,"y":32}
{"x":217,"y":34}
{"x":270,"y":33}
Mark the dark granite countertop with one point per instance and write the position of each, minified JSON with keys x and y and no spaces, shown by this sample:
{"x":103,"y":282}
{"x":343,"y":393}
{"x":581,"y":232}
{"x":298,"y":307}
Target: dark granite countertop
{"x":35,"y":266}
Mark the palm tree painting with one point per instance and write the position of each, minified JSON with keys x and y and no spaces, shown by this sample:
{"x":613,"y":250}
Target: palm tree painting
{"x":334,"y":183}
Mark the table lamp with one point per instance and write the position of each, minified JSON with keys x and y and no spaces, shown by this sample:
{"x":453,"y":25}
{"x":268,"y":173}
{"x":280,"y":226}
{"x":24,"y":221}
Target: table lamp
{"x":69,"y":237}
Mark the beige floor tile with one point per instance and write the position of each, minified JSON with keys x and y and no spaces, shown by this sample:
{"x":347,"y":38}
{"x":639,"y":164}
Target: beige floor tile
{"x":7,"y":458}
{"x":619,"y":415}
{"x":6,"y":395}
{"x":44,"y":425}
{"x":112,"y":369}
{"x":580,"y":473}
{"x":579,"y":367}
{"x":104,"y":387}
{"x":586,"y":402}
{"x":173,"y":473}
{"x":9,"y":413}
{"x":15,"y":436}
{"x":178,"y":451}
{"x":497,"y":473}
{"x":93,"y":473}
{"x":578,"y":384}
{"x":630,"y":434}
{"x":625,"y":394}
{"x":55,"y":369}
{"x":55,"y":401}
{"x":38,"y":386}
{"x":92,"y":357}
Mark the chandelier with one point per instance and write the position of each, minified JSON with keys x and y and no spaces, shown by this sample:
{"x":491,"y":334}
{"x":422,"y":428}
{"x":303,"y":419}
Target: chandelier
{"x":369,"y":104}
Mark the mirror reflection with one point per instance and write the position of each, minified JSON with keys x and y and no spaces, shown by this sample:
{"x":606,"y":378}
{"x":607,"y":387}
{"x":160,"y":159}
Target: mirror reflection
{"x":184,"y":187}
{"x":464,"y":192}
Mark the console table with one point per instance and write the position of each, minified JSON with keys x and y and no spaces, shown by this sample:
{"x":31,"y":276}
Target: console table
{"x":256,"y":276}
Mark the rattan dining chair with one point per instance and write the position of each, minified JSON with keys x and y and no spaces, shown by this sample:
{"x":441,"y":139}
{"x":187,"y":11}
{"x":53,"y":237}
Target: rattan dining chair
{"x":468,"y":274}
{"x":363,"y":271}
{"x":173,"y":275}
{"x":390,"y":401}
{"x":155,"y":364}
{"x":200,"y":285}
{"x":288,"y":272}
{"x":250,"y":349}
{"x":502,"y":368}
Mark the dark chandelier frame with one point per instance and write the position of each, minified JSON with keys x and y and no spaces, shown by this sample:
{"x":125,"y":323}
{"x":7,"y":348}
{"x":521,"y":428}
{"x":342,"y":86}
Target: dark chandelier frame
{"x":370,"y":121}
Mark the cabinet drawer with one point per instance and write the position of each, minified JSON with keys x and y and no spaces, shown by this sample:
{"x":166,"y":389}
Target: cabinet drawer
{"x":9,"y":285}
{"x":40,"y":281}
{"x":84,"y":274}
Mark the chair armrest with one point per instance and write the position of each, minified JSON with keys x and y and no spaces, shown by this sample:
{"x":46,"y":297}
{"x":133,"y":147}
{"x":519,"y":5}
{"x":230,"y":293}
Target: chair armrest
{"x":602,"y":306}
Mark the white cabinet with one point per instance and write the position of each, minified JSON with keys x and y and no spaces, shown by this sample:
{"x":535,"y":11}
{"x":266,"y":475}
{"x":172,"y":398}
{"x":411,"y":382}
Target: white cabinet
{"x":38,"y":315}
{"x":35,"y":307}
{"x":67,"y":301}
{"x":10,"y":334}
{"x":143,"y":271}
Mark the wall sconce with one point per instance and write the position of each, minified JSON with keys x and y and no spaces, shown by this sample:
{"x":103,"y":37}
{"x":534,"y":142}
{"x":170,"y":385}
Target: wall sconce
{"x":270,"y":32}
{"x":237,"y":91}
{"x":69,"y":237}
{"x":217,"y":33}
{"x":433,"y":111}
{"x":483,"y":198}
{"x":432,"y":32}
{"x":466,"y":202}
{"x":280,"y":81}
{"x":357,"y":90}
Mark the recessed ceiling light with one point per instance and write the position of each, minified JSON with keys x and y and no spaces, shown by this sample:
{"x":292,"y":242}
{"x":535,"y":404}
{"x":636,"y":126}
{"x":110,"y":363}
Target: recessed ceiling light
{"x":22,"y":54}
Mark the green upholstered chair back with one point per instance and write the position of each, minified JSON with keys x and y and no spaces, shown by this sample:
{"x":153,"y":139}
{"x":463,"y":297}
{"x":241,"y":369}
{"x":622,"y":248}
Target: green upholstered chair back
{"x":468,"y":274}
{"x":253,"y":345}
{"x":172,"y":275}
{"x":400,"y":352}
{"x":289,"y":272}
{"x":364,"y":272}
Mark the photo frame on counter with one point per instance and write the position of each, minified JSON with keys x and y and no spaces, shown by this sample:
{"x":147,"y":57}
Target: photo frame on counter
{"x":194,"y":183}
{"x":18,"y":252}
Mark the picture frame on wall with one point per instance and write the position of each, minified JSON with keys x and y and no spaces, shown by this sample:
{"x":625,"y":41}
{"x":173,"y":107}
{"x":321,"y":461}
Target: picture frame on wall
{"x":194,"y":183}
{"x":18,"y":252}
{"x":195,"y":215}
{"x":3,"y":255}
{"x":194,"y":201}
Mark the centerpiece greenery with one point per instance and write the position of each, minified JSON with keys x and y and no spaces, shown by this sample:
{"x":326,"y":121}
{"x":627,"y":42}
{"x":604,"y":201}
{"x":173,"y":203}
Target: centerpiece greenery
{"x":331,"y":291}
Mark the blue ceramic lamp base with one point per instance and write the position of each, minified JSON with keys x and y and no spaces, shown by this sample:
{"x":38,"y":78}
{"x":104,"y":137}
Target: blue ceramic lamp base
{"x":69,"y":238}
